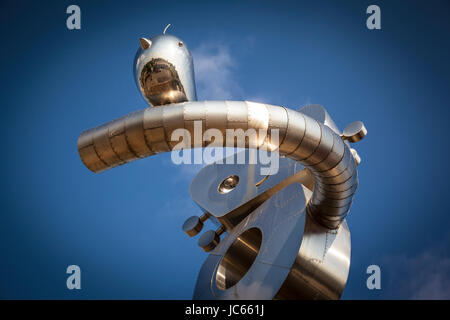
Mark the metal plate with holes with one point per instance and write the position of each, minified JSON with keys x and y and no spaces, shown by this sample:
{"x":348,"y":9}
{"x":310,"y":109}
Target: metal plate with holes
{"x":223,"y":189}
{"x":275,"y":252}
{"x":281,"y":220}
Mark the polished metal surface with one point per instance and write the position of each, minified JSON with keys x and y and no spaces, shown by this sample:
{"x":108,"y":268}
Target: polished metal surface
{"x":303,"y":139}
{"x":280,"y":234}
{"x":192,"y":226}
{"x":355,"y":156}
{"x":239,"y":258}
{"x":229,"y":209}
{"x":210,"y":239}
{"x":164,"y":71}
{"x":228,"y":184}
{"x":354,"y":131}
{"x":314,"y":260}
{"x":278,"y":252}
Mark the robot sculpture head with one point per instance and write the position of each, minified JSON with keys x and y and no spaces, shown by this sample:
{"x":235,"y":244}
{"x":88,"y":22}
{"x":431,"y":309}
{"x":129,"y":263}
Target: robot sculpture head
{"x":164,"y":71}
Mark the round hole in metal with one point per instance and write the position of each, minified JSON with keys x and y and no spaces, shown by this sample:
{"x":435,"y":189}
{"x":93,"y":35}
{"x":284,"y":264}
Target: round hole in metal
{"x":239,"y":258}
{"x":228,"y":184}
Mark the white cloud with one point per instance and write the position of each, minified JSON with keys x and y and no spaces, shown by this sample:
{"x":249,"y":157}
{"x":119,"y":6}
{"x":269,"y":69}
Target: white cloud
{"x":424,"y":276}
{"x":215,"y":77}
{"x":214,"y":73}
{"x":215,"y":80}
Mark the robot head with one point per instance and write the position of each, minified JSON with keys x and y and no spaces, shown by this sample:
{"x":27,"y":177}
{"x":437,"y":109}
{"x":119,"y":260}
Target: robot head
{"x":164,"y":71}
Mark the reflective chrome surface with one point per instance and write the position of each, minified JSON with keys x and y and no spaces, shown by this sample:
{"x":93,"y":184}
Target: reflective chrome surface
{"x":193,"y":225}
{"x":307,"y":259}
{"x":302,"y":138}
{"x":354,"y":131}
{"x":278,"y":252}
{"x":239,"y":258}
{"x":229,"y":209}
{"x":313,"y":262}
{"x":164,"y":70}
{"x":210,"y":239}
{"x":228,"y":184}
{"x":280,"y":236}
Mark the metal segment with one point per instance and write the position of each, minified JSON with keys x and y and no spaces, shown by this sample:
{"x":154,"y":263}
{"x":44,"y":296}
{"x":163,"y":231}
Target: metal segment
{"x":302,"y":138}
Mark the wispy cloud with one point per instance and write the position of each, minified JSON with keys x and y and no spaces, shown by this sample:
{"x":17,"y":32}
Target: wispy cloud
{"x":424,"y":276}
{"x":215,"y":80}
{"x":214,"y":73}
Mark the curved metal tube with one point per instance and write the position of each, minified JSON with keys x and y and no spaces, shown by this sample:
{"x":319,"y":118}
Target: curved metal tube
{"x":147,"y":132}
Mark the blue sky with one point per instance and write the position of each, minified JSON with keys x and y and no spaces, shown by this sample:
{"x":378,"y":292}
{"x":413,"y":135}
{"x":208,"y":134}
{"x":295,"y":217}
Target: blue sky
{"x":123,"y":227}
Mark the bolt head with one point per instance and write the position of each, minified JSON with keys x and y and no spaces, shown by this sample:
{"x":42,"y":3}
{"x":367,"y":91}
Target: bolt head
{"x":354,"y":132}
{"x":209,"y":240}
{"x":192,"y":226}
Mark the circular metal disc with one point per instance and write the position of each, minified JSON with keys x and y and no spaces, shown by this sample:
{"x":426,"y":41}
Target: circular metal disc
{"x":355,"y":131}
{"x":192,"y":226}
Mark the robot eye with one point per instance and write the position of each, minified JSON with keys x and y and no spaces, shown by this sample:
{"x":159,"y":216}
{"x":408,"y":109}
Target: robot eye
{"x":161,"y":83}
{"x":180,"y":44}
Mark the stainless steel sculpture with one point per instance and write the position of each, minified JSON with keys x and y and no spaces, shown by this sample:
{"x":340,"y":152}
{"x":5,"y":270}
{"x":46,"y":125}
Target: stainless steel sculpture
{"x":284,"y":235}
{"x":163,"y":70}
